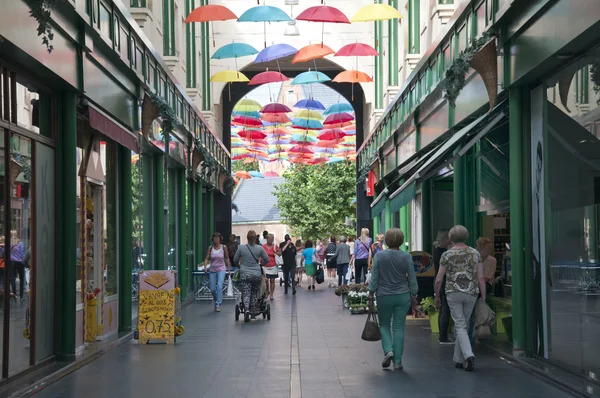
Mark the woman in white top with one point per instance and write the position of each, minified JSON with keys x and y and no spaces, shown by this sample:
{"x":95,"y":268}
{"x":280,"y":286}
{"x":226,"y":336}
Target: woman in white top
{"x":486,"y":249}
{"x":299,"y":265}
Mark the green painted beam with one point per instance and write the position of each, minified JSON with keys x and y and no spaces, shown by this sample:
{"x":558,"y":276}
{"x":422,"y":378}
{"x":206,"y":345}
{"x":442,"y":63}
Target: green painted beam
{"x":181,"y":233}
{"x":199,"y":224}
{"x":159,"y":195}
{"x":395,"y":24}
{"x":125,"y":234}
{"x":189,"y":242}
{"x":388,"y":216}
{"x":211,"y":213}
{"x":426,"y":220}
{"x":459,"y":190}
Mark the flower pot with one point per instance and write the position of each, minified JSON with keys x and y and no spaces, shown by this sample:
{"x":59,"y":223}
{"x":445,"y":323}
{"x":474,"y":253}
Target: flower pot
{"x":344,"y":301}
{"x":91,"y":320}
{"x":433,"y":322}
{"x":356,"y":311}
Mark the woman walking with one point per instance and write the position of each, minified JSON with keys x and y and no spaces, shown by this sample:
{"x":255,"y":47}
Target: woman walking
{"x":232,"y":248}
{"x":218,"y":256}
{"x":270,"y":268}
{"x":311,"y":268}
{"x":250,"y":272}
{"x":361,"y":256}
{"x":330,"y":251}
{"x":394,"y":282}
{"x":299,"y":266}
{"x":465,"y":280}
{"x":342,"y":259}
{"x":288,"y":253}
{"x":441,"y":244}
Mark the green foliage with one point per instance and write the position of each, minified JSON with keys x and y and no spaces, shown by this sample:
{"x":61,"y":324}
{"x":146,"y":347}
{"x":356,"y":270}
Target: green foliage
{"x":229,"y":186}
{"x":41,"y":11}
{"x":428,"y":305}
{"x":314,"y":201}
{"x":455,"y":75}
{"x":241,"y":166}
{"x":595,"y":75}
{"x":168,"y":117}
{"x":25,"y":166}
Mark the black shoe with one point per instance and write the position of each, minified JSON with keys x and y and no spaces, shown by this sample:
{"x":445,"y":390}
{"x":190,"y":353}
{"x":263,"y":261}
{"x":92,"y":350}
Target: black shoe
{"x":470,"y":365}
{"x":459,"y":365}
{"x":247,"y":317}
{"x":313,"y":287}
{"x":285,"y":291}
{"x":294,"y":291}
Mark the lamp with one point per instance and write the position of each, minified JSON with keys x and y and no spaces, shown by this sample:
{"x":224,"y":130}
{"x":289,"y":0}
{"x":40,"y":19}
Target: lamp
{"x":291,"y":29}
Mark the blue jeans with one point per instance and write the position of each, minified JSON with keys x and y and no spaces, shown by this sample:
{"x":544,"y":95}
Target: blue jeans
{"x":216,"y":286}
{"x":342,"y":269}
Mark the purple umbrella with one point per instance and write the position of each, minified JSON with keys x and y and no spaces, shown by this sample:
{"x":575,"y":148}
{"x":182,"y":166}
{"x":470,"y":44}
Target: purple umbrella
{"x":274,"y":52}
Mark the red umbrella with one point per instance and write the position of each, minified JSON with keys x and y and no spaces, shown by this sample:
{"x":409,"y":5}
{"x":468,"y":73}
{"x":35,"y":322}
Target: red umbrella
{"x":209,"y":13}
{"x":332,"y":134}
{"x":276,"y":118}
{"x":304,"y":128}
{"x":278,"y":132}
{"x":267,"y":77}
{"x":328,"y":144}
{"x":339,"y":118}
{"x":275,"y":108}
{"x":318,"y":161}
{"x":247,"y":121}
{"x":252,"y":134}
{"x":270,"y":174}
{"x":356,"y":50}
{"x":322,"y":14}
{"x":336,"y":125}
{"x":240,"y":157}
{"x":301,"y":149}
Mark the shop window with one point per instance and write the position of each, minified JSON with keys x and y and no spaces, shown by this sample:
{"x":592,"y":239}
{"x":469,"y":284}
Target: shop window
{"x":124,"y":42}
{"x":481,"y":18}
{"x":104,"y":21}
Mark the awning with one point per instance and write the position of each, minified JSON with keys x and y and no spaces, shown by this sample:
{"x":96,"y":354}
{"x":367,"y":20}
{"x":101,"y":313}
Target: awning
{"x":403,"y":198}
{"x":440,"y":156}
{"x":379,"y":204}
{"x":111,"y":129}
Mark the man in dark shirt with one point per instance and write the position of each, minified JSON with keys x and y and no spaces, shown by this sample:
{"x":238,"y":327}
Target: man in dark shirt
{"x":288,"y":253}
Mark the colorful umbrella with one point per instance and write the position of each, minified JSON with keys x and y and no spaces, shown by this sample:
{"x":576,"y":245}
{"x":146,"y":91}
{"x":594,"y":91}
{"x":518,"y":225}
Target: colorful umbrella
{"x":322,"y":14}
{"x":256,"y":174}
{"x":310,"y":77}
{"x":303,"y":138}
{"x":336,"y":125}
{"x":356,"y":50}
{"x":301,"y":149}
{"x":337,"y":108}
{"x":276,"y":118}
{"x":332,"y":134}
{"x":210,"y":13}
{"x":352,"y":76}
{"x":307,"y":124}
{"x":228,"y":76}
{"x":267,"y":77}
{"x":335,"y":160}
{"x":274,"y":52}
{"x":275,"y":108}
{"x":309,"y":104}
{"x":255,"y":114}
{"x":243,"y":174}
{"x":264,"y":14}
{"x":328,"y":144}
{"x":234,"y":50}
{"x":247,"y":105}
{"x":375,"y":12}
{"x":278,"y":132}
{"x":312,"y":51}
{"x":271,"y":174}
{"x":252,"y":134}
{"x":338,"y":118}
{"x":247,"y":121}
{"x":309,"y":114}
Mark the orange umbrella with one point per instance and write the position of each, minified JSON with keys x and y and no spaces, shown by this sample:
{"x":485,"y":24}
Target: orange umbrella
{"x":312,"y":51}
{"x":275,"y":118}
{"x":210,"y":13}
{"x":242,"y":174}
{"x":352,"y":76}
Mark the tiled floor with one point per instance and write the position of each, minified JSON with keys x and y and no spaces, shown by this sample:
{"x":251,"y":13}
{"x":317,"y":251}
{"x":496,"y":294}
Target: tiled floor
{"x":310,"y":348}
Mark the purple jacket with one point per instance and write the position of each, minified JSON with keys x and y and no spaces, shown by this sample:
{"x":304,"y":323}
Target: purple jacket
{"x":361,"y":251}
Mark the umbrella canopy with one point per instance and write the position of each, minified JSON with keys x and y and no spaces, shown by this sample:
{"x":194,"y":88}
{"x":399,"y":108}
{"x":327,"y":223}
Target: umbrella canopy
{"x":335,"y":160}
{"x":264,"y":14}
{"x":303,"y":138}
{"x":356,"y":50}
{"x":309,"y":104}
{"x":309,"y":114}
{"x":228,"y":76}
{"x":209,"y":13}
{"x":255,"y":114}
{"x":312,"y":51}
{"x":234,"y":50}
{"x":243,"y":174}
{"x":267,"y":77}
{"x":271,"y":174}
{"x":275,"y":108}
{"x":336,"y":125}
{"x":338,"y":118}
{"x":274,"y":52}
{"x":375,"y":12}
{"x":332,"y":134}
{"x":278,"y":132}
{"x":276,"y":118}
{"x":247,"y":121}
{"x":322,"y":14}
{"x":252,"y":134}
{"x":328,"y":144}
{"x":352,"y":76}
{"x":311,"y":77}
{"x":301,"y":149}
{"x":247,"y":105}
{"x":337,"y":108}
{"x":256,"y":174}
{"x":307,"y":124}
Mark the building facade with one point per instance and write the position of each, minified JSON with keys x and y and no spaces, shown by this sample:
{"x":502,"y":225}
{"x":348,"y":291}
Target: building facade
{"x":514,"y":159}
{"x":93,"y":189}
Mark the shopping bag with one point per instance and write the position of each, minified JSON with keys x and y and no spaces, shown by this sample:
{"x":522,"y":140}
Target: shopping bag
{"x":368,"y":279}
{"x":320,"y":275}
{"x":278,"y":259}
{"x":371,"y":330}
{"x":349,"y":274}
{"x":229,"y":286}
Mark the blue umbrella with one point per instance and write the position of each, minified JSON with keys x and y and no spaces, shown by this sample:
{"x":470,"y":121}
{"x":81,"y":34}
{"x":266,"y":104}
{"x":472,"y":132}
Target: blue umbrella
{"x":264,"y":14}
{"x":311,"y":77}
{"x":256,"y":174}
{"x":255,"y":114}
{"x":335,"y":160}
{"x":338,"y":108}
{"x":350,"y":132}
{"x":274,"y":52}
{"x":309,"y":104}
{"x":234,"y":50}
{"x":309,"y":124}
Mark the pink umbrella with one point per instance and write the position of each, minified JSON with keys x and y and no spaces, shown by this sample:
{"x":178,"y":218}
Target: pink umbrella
{"x":270,"y":174}
{"x":339,"y":118}
{"x":252,"y":134}
{"x":332,"y":134}
{"x":267,"y":77}
{"x":275,"y":108}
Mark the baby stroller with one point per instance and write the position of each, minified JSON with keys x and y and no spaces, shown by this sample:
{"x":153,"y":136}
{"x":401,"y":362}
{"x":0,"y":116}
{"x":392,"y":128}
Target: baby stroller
{"x":264,"y":308}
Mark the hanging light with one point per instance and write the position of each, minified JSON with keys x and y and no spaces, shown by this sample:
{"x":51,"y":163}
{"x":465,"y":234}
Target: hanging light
{"x":291,"y":29}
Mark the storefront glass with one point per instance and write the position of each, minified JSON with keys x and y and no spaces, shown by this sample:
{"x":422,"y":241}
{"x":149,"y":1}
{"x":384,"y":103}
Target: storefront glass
{"x":566,"y":196}
{"x":172,"y":218}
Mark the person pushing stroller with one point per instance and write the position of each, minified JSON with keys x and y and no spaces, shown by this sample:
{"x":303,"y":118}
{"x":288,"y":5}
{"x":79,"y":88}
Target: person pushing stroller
{"x":250,"y":273}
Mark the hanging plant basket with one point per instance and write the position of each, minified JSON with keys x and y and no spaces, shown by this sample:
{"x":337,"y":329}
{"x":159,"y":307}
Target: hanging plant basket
{"x":229,"y":187}
{"x":15,"y":170}
{"x":149,"y":114}
{"x":485,"y":62}
{"x":197,"y":158}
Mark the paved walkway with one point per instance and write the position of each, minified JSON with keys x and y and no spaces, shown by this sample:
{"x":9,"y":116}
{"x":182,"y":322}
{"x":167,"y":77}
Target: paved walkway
{"x":310,"y":348}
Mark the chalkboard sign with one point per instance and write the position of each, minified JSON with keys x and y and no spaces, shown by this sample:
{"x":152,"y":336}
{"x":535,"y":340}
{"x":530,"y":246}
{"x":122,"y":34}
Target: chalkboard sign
{"x":156,"y":316}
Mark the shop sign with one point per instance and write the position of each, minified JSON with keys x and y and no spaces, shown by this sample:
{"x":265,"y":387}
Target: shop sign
{"x":423,"y":262}
{"x":156,"y":318}
{"x":371,"y":184}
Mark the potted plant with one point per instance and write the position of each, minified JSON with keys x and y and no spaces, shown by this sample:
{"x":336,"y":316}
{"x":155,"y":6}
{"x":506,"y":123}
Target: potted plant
{"x":357,"y":302}
{"x":343,"y":292}
{"x":428,"y":306}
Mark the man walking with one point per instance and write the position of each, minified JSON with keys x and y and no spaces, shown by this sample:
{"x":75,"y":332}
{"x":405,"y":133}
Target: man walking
{"x":288,"y":253}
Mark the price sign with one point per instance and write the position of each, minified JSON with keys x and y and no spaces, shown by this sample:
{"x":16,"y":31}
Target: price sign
{"x":156,"y":317}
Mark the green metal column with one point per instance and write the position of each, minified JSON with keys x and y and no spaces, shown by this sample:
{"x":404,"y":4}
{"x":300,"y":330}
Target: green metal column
{"x":159,"y":195}
{"x":406,"y":230}
{"x":199,"y":224}
{"x":181,"y":229}
{"x":376,"y":224}
{"x":148,"y":210}
{"x":67,"y":227}
{"x":388,"y":217}
{"x":126,"y":232}
{"x":211,"y":212}
{"x":378,"y":64}
{"x":190,"y":218}
{"x":394,"y":39}
{"x":459,"y":186}
{"x":516,"y":219}
{"x":426,"y":208}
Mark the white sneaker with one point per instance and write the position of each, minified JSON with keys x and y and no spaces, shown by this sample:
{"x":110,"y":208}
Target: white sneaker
{"x":398,"y":366}
{"x":387,"y":360}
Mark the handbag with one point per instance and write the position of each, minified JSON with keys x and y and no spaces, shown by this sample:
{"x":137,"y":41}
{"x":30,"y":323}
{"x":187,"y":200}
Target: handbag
{"x":229,"y":287}
{"x":320,"y":275}
{"x":371,"y":330}
{"x":349,"y":274}
{"x":278,"y":260}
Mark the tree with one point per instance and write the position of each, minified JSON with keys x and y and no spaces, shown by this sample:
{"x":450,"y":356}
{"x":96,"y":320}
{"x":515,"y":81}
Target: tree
{"x":241,"y":165}
{"x":314,"y":201}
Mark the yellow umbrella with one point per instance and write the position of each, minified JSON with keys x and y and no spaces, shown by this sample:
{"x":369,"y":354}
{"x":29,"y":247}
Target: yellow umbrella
{"x":309,"y":114}
{"x":376,"y":12}
{"x":228,"y":76}
{"x":250,"y":102}
{"x":247,"y":105}
{"x":311,"y":133}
